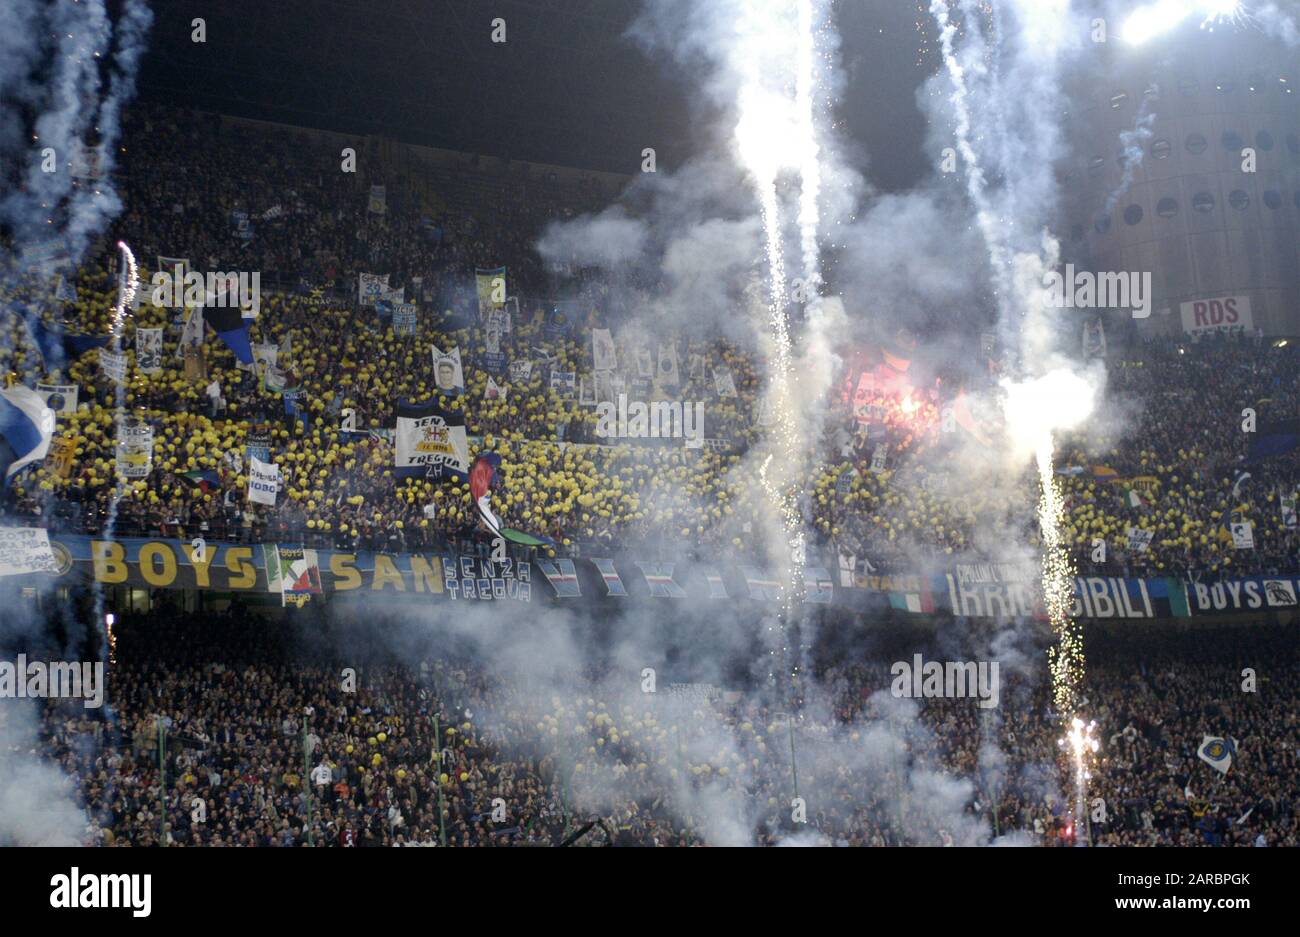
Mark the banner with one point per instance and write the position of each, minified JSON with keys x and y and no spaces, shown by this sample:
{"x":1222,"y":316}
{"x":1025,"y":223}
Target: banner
{"x":65,"y":291}
{"x":378,"y":202}
{"x":1287,"y":504}
{"x":45,"y":257}
{"x":61,"y":398}
{"x":491,"y":288}
{"x":723,"y":382}
{"x":112,"y":364}
{"x":493,"y":390}
{"x":520,"y":372}
{"x":1243,"y":535}
{"x":134,"y":450}
{"x":448,"y":375}
{"x":430,"y":441}
{"x":257,"y":446}
{"x":25,"y":550}
{"x":603,"y":356}
{"x":263,"y":481}
{"x":1222,"y":314}
{"x":148,"y":350}
{"x":975,"y":591}
{"x":668,"y":375}
{"x":404,"y":319}
{"x":563,"y":383}
{"x":371,"y":287}
{"x":1139,"y":539}
{"x":1251,"y":594}
{"x":62,"y":456}
{"x":1094,"y":339}
{"x":265,"y":357}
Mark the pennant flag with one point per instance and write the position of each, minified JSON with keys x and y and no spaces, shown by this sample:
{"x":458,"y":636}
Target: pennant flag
{"x":1217,"y":752}
{"x":232,"y":328}
{"x":26,"y":427}
{"x":430,"y":441}
{"x":483,"y":476}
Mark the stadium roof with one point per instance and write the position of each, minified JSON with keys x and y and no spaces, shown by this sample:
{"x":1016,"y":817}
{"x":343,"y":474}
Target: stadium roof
{"x":565,"y":88}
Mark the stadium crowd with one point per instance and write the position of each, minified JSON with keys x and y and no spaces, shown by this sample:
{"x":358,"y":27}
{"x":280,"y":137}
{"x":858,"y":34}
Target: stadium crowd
{"x":267,"y":743}
{"x":882,"y":487}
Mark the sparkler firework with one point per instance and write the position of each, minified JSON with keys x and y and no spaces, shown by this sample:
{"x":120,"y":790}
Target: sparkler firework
{"x":775,"y":133}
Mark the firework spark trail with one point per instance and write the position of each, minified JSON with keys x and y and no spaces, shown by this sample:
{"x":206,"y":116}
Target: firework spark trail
{"x":776,"y":133}
{"x":1066,"y":658}
{"x":976,"y":186}
{"x":1058,"y":587}
{"x":1082,"y":745}
{"x":126,"y":288}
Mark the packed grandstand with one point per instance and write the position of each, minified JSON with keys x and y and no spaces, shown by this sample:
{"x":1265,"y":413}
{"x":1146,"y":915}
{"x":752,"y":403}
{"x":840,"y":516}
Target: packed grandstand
{"x":1175,"y":476}
{"x":230,"y":722}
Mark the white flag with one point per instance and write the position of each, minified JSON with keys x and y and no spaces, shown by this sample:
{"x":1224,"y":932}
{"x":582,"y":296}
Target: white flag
{"x":113,"y":365}
{"x":192,"y":333}
{"x":493,"y":391}
{"x":603,"y":356}
{"x":263,"y":481}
